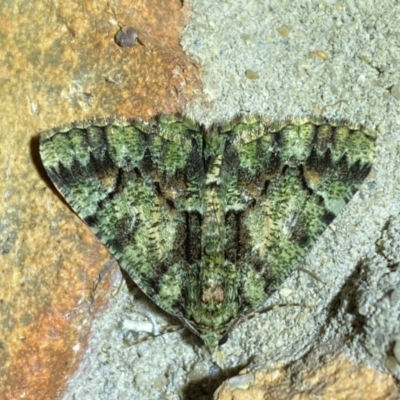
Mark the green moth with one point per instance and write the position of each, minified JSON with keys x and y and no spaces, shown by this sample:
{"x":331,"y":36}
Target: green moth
{"x":208,"y":222}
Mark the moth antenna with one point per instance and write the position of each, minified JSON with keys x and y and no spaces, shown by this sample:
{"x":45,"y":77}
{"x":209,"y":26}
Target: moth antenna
{"x":312,"y":274}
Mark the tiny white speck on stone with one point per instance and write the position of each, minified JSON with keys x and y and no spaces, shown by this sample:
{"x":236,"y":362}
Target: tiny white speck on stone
{"x":285,"y":292}
{"x":241,"y":381}
{"x":34,"y":107}
{"x":353,"y":254}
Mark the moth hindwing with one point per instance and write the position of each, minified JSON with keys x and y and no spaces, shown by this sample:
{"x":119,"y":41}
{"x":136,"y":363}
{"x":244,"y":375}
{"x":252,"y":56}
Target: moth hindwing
{"x":208,"y":222}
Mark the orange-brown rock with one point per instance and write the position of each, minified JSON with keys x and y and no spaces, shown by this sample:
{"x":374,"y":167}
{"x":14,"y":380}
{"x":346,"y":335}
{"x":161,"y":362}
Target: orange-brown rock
{"x":336,"y":378}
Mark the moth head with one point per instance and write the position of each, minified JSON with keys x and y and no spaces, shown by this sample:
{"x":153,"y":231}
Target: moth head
{"x":211,"y":340}
{"x":208,"y":338}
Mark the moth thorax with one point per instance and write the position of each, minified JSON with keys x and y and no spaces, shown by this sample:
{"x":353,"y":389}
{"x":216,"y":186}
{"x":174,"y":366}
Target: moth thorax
{"x":213,"y":294}
{"x":211,"y":270}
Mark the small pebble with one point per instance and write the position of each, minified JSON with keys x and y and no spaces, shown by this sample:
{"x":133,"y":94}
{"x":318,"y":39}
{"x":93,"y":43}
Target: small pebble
{"x":392,"y":365}
{"x":126,"y":37}
{"x":321,"y":54}
{"x":284,"y":31}
{"x":395,"y":91}
{"x":251,"y":74}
